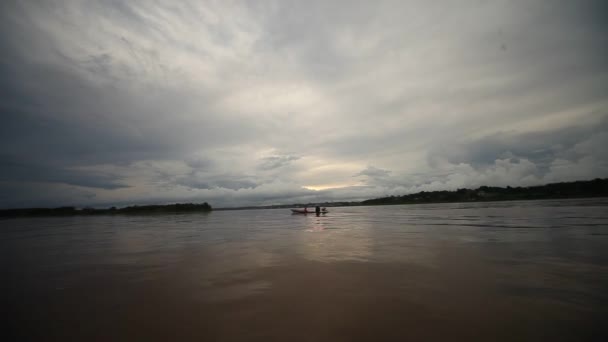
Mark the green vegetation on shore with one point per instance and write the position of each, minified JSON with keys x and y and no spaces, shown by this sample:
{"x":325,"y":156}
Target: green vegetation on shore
{"x":136,"y":209}
{"x":579,"y":189}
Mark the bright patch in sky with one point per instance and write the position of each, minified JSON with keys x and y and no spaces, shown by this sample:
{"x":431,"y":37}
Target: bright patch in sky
{"x":329,"y":186}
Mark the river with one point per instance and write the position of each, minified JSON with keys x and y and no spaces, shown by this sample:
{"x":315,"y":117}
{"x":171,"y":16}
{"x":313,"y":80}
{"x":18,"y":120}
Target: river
{"x":523,"y":270}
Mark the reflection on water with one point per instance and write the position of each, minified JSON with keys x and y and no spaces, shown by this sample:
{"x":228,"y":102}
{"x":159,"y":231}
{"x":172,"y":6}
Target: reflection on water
{"x":331,"y":241}
{"x":482,"y":271}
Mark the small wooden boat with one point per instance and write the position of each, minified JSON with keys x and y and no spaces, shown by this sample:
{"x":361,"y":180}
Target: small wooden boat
{"x":309,"y":211}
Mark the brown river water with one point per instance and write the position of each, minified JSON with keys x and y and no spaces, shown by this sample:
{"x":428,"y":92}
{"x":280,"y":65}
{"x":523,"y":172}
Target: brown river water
{"x":503,"y":271}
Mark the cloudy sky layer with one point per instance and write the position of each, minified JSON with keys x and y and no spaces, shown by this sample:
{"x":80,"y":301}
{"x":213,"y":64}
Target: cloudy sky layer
{"x":263,"y":102}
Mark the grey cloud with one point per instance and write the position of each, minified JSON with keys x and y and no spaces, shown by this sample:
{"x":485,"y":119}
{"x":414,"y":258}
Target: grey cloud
{"x":566,"y":154}
{"x":275,"y":162}
{"x":15,"y":171}
{"x":209,"y":181}
{"x":235,"y":184}
{"x":373,"y":172}
{"x":199,"y":164}
{"x":539,"y":147}
{"x":199,"y":90}
{"x":32,"y":194}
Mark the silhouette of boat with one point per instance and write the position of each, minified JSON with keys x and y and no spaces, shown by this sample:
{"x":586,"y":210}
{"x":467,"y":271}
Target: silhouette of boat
{"x":309,"y":211}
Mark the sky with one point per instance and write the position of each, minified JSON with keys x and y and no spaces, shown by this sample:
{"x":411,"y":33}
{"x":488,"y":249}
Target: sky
{"x":108,"y":103}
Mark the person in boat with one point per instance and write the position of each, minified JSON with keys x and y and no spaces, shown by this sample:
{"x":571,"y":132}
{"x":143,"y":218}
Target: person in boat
{"x":317,"y":210}
{"x":305,"y":209}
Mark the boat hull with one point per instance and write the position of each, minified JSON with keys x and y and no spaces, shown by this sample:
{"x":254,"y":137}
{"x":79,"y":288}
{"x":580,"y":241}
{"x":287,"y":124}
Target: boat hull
{"x":302,"y":211}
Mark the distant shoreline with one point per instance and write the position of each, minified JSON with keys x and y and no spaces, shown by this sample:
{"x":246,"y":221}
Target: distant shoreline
{"x":578,"y":189}
{"x":361,"y":204}
{"x":564,"y":190}
{"x":131,"y":210}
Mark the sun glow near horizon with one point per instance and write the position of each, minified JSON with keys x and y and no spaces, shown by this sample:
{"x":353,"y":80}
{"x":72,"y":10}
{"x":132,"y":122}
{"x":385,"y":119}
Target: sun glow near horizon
{"x":321,"y":187}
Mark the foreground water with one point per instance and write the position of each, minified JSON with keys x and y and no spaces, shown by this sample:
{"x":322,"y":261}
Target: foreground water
{"x":484,"y":271}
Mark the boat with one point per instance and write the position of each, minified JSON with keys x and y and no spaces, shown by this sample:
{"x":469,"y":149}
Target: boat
{"x":309,"y":211}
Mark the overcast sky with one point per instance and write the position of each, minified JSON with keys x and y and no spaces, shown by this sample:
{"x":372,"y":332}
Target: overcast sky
{"x":262,"y":102}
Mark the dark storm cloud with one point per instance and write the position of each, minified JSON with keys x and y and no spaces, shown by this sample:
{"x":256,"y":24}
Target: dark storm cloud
{"x":33,"y":194}
{"x":12,"y":170}
{"x":50,"y":113}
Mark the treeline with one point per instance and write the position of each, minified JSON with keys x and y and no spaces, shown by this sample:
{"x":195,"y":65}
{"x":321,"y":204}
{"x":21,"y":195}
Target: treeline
{"x":593,"y":188}
{"x":136,"y":209}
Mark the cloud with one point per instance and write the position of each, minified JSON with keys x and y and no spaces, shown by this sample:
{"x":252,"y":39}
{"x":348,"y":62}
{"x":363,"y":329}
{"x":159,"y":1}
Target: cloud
{"x":199,"y":164}
{"x":541,"y":147}
{"x":564,"y":154}
{"x":16,"y":171}
{"x":252,"y":102}
{"x":228,"y":181}
{"x":275,"y":162}
{"x":32,"y":194}
{"x":371,"y":171}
